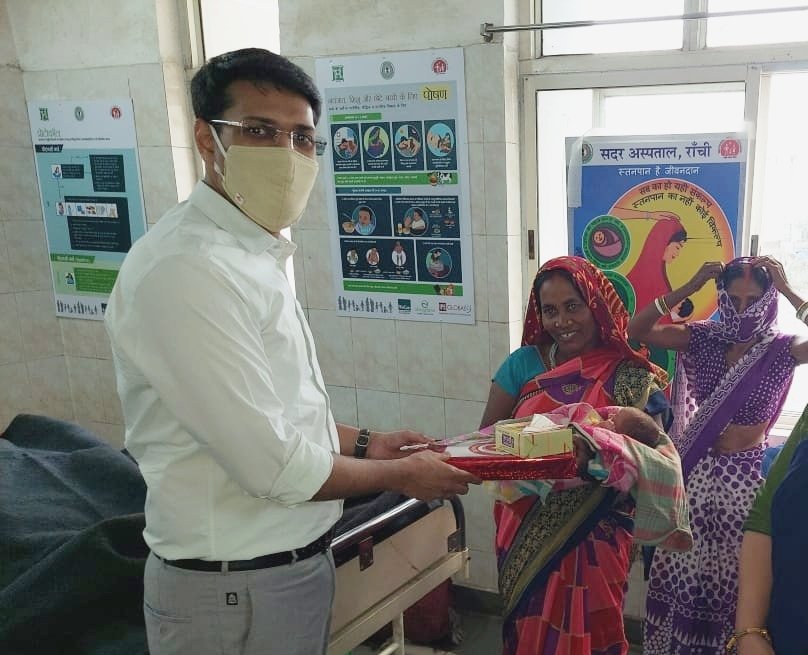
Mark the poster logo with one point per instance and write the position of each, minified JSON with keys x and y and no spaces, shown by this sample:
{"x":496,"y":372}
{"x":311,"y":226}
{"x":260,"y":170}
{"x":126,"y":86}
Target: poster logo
{"x":43,"y":114}
{"x":115,"y":112}
{"x":440,"y":66}
{"x":454,"y":308}
{"x":387,"y":70}
{"x":78,"y":112}
{"x":606,"y":242}
{"x":338,"y":73}
{"x":586,"y":152}
{"x":404,"y":306}
{"x":729,"y":148}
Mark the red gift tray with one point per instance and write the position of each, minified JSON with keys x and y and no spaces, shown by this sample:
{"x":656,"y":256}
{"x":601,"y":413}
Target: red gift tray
{"x":507,"y":467}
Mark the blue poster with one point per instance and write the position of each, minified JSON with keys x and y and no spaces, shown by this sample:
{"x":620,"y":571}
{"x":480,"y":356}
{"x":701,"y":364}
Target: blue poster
{"x":649,"y":211}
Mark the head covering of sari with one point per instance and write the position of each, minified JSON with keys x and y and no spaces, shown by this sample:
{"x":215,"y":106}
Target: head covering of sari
{"x":694,"y":426}
{"x":599,"y":295}
{"x":759,"y":319}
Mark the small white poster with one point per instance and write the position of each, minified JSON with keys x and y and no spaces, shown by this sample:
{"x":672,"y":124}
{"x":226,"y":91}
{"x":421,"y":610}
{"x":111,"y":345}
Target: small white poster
{"x":399,"y":185}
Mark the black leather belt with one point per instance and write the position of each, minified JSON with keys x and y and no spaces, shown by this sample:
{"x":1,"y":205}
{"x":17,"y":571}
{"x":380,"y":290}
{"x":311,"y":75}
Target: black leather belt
{"x":316,"y":547}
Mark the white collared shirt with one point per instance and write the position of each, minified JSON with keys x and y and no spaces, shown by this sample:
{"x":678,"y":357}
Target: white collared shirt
{"x":225,"y":407}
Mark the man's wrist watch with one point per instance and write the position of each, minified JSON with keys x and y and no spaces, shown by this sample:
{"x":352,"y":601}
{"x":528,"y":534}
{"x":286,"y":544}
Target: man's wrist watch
{"x":362,"y":441}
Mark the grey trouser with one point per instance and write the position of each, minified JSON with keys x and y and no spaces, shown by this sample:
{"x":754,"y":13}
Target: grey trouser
{"x":284,"y":610}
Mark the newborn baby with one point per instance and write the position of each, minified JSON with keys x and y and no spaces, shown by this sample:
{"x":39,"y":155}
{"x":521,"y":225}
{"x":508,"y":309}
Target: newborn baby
{"x":613,"y":464}
{"x":632,"y":422}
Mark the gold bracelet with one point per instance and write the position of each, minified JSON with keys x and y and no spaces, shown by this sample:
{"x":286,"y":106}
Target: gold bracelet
{"x":746,"y":631}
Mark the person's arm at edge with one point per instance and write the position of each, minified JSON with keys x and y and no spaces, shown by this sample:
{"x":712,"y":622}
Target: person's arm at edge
{"x":755,"y":570}
{"x":754,"y":591}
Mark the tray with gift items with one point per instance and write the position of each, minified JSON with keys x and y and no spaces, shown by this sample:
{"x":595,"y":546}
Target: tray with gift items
{"x":530,"y":448}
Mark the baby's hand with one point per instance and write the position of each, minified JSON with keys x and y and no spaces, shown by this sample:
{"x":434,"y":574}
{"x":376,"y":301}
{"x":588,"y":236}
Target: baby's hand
{"x":607,"y":424}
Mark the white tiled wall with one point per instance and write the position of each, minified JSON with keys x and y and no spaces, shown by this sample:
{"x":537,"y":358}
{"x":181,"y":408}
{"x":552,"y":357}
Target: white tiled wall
{"x":63,"y":367}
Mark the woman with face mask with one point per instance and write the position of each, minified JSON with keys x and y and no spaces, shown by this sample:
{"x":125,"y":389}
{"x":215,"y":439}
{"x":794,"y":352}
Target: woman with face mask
{"x":731,"y":381}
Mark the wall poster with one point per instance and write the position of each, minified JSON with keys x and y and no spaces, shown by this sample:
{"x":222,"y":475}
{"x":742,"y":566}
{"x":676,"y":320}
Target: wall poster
{"x":650,"y":210}
{"x":89,"y":185}
{"x":397,"y":165}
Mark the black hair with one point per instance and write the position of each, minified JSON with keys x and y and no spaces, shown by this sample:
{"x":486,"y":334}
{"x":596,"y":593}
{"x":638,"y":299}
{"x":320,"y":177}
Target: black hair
{"x":210,"y":86}
{"x":734,"y":271}
{"x":686,"y":308}
{"x":364,"y":208}
{"x":679,"y":236}
{"x":542,"y":277}
{"x":415,"y":211}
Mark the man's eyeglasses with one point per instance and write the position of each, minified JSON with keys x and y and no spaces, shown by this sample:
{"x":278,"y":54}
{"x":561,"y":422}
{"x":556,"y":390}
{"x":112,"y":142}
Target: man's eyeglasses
{"x":267,"y":134}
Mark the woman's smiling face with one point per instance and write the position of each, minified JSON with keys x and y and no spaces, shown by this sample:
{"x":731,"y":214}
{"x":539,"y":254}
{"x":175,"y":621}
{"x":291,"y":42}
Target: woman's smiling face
{"x":566,"y":317}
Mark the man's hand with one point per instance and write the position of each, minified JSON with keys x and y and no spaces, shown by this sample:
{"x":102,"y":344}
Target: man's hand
{"x":387,"y":445}
{"x":426,"y":475}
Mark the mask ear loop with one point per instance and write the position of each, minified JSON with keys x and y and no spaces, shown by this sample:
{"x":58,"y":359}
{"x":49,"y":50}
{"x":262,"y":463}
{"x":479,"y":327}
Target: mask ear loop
{"x":219,"y":145}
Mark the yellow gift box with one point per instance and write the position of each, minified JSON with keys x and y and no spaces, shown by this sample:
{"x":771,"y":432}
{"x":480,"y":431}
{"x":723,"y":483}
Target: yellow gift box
{"x":510,"y":437}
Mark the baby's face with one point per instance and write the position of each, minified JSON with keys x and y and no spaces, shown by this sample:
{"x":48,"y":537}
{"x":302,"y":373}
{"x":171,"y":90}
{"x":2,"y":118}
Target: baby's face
{"x":622,"y":421}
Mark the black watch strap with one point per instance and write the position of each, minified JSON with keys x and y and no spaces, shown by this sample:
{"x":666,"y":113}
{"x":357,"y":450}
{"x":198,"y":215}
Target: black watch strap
{"x":362,"y":441}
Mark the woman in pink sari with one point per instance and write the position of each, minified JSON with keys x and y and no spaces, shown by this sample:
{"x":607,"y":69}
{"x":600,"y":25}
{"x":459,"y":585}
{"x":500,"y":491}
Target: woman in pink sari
{"x":731,"y":380}
{"x":563,"y":559}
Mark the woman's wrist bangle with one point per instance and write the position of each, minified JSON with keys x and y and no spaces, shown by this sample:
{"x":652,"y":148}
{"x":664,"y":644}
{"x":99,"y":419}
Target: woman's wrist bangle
{"x":738,"y":634}
{"x":661,"y":306}
{"x":802,"y":311}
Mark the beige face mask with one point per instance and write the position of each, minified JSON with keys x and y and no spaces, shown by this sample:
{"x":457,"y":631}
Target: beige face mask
{"x":270,"y":185}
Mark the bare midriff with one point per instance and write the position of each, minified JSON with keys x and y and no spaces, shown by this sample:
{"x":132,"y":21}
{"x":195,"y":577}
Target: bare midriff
{"x":736,"y":438}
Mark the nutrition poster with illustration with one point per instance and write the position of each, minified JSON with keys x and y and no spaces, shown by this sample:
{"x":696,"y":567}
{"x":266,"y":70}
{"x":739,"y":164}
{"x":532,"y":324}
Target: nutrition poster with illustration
{"x":649,"y":211}
{"x":398,"y":191}
{"x":89,"y":185}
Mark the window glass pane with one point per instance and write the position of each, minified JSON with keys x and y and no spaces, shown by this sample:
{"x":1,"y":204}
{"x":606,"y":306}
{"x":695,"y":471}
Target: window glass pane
{"x":674,"y":112}
{"x":634,"y":37}
{"x":752,"y":30}
{"x":784,"y":225}
{"x":560,"y":114}
{"x":232,"y":24}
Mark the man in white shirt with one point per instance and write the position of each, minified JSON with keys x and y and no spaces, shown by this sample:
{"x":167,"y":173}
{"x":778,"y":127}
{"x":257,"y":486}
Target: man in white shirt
{"x":225,"y":407}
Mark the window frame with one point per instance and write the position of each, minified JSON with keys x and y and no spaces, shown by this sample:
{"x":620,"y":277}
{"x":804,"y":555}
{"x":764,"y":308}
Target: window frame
{"x":696,"y":64}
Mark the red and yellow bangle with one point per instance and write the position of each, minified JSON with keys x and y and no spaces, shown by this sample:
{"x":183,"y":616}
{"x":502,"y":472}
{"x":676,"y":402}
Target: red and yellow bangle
{"x":733,"y":640}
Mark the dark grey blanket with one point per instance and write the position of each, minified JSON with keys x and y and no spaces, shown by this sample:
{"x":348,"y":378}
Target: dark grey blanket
{"x":71,"y":548}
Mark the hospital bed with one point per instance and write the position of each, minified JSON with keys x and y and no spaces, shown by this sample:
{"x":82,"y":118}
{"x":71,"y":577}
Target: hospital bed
{"x":72,"y":550}
{"x":390,"y":561}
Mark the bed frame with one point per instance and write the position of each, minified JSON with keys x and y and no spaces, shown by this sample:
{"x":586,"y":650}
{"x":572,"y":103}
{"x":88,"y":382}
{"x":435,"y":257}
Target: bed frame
{"x":383,"y":570}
